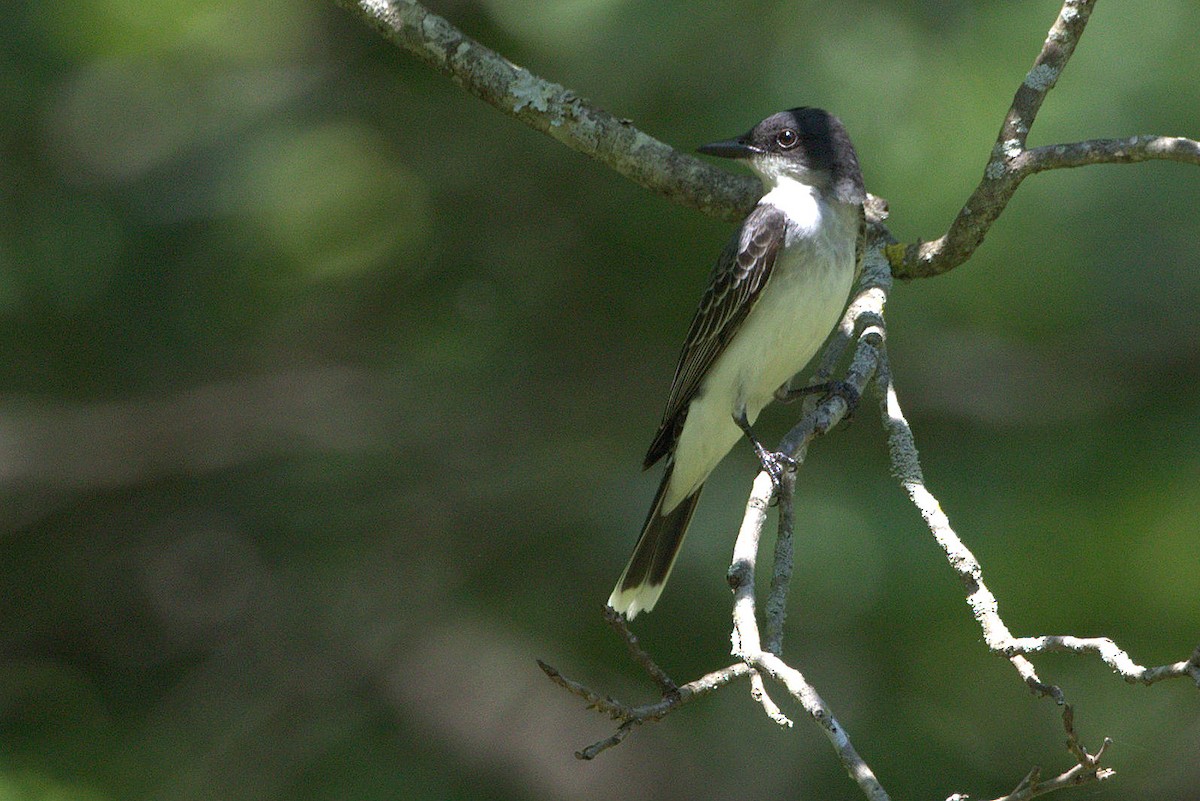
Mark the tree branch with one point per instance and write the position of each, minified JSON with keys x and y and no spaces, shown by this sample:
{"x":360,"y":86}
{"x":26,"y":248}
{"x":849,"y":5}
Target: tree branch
{"x":557,"y":111}
{"x":1010,"y":162}
{"x":631,"y":716}
{"x":1110,"y":654}
{"x":681,"y":178}
{"x":984,"y":607}
{"x":1108,"y":151}
{"x":747,"y":641}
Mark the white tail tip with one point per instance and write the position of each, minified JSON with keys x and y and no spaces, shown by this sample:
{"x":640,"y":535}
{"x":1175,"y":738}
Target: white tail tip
{"x":635,"y":599}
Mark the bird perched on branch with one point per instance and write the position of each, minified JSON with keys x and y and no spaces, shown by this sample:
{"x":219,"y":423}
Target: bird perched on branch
{"x":774,"y":295}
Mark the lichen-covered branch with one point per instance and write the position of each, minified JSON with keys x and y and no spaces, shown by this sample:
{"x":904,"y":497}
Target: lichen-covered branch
{"x":906,"y":468}
{"x":1011,"y":162}
{"x":1107,"y":151}
{"x":557,"y":111}
{"x":1000,"y":181}
{"x":1110,"y":653}
{"x":570,"y":119}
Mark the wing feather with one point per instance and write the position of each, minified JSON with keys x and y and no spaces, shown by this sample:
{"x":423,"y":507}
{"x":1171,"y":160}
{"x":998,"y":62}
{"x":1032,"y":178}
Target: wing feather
{"x":737,"y":280}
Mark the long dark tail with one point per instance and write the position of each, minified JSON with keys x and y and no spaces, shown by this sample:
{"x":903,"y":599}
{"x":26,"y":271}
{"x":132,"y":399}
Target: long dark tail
{"x":654,"y":555}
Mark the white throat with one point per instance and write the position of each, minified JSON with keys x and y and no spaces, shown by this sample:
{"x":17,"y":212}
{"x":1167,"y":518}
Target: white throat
{"x":801,"y":202}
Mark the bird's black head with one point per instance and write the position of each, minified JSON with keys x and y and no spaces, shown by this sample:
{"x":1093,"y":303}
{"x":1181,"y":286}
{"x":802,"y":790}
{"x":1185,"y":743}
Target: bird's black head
{"x":805,"y":143}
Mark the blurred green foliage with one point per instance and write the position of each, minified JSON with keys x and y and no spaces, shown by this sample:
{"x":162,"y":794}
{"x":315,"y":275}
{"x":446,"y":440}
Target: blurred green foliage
{"x":324,"y":388}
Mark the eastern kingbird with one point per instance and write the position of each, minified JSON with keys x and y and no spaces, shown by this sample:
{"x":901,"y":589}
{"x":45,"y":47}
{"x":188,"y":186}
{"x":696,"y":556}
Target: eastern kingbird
{"x":774,"y":295}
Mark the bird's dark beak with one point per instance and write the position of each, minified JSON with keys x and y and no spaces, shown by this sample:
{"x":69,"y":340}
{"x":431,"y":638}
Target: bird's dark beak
{"x":730,"y":149}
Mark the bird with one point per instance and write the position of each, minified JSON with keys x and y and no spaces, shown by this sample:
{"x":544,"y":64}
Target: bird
{"x":775,"y":293}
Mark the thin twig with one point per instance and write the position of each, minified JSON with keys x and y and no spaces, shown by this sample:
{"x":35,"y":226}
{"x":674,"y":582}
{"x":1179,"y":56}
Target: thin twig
{"x":1087,"y":768}
{"x":775,"y":609}
{"x":746,"y":644}
{"x":819,"y":711}
{"x":608,"y":742}
{"x":758,"y":691}
{"x":645,"y":713}
{"x":601,"y":703}
{"x":1033,"y":786}
{"x":621,"y":626}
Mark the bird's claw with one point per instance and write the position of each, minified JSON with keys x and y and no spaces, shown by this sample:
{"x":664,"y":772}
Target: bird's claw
{"x":776,"y":464}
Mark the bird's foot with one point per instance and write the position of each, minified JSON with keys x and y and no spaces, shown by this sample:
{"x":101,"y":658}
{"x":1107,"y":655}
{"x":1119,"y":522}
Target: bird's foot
{"x":775,"y":464}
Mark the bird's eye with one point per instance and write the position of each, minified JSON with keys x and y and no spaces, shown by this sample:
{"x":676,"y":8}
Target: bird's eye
{"x":787,"y":138}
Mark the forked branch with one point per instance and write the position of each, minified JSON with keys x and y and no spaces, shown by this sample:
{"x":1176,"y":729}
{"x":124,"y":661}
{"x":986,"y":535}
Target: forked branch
{"x":680,"y":177}
{"x":1011,"y":162}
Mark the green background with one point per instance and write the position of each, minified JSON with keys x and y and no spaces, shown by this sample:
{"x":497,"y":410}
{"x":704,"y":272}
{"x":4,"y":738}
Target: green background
{"x":324,"y":389}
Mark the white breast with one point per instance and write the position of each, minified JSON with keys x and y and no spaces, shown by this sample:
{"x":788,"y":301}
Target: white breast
{"x":797,"y":309}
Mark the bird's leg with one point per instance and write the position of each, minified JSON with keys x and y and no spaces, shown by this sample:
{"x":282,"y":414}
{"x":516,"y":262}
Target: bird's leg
{"x":773,"y":462}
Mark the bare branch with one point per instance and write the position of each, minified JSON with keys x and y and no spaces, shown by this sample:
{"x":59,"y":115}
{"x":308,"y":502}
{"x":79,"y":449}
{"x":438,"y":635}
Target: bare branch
{"x":1010,"y":161}
{"x":593,"y":750}
{"x":631,"y":716}
{"x":907,"y":470}
{"x":681,"y":178}
{"x":1108,"y":151}
{"x":747,"y":648}
{"x":1047,"y":67}
{"x":775,"y":609}
{"x":621,"y":626}
{"x":1112,"y":655}
{"x":807,"y":695}
{"x":758,"y":691}
{"x":741,"y":571}
{"x":999,"y":182}
{"x":866,"y":306}
{"x":1087,"y":768}
{"x":1033,"y":786}
{"x":558,"y":112}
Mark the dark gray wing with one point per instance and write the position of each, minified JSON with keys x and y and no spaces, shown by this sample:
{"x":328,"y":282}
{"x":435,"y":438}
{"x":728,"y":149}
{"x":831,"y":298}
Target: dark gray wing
{"x":736,"y":281}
